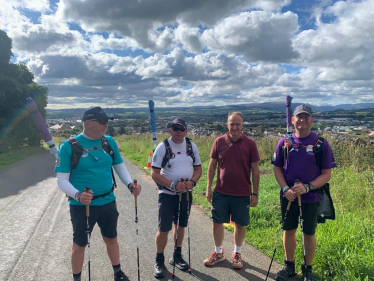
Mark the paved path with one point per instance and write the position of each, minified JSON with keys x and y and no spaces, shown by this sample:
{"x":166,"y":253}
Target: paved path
{"x":36,"y":234}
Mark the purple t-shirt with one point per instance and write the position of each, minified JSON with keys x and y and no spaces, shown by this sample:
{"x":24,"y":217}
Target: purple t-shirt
{"x":302,"y":164}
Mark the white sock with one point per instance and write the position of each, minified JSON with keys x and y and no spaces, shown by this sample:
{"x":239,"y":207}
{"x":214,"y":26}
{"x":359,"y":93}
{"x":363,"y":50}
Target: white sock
{"x":218,"y":249}
{"x":237,"y":249}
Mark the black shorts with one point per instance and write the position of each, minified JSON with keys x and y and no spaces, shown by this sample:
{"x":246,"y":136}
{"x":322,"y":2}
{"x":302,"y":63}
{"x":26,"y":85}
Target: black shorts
{"x":309,"y":216}
{"x":224,"y":205}
{"x":168,"y":211}
{"x":105,"y":216}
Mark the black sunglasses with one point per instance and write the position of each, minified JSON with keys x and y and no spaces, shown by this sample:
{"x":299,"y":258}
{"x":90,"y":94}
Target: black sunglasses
{"x":102,"y":122}
{"x":176,"y":129}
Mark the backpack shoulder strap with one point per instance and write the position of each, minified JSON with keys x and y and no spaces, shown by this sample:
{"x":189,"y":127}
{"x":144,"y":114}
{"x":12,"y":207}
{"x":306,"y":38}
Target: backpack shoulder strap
{"x":168,"y":155}
{"x":76,"y":152}
{"x":106,"y":146}
{"x":189,"y":149}
{"x":109,"y":150}
{"x":317,"y":149}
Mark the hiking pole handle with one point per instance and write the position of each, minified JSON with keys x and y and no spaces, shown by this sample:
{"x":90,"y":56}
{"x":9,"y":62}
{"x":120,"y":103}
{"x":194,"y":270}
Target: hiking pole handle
{"x":288,"y":205}
{"x":135,"y":196}
{"x":298,"y":197}
{"x":88,"y":205}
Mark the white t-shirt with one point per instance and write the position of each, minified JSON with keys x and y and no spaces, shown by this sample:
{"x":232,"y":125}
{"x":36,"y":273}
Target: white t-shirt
{"x":181,"y":166}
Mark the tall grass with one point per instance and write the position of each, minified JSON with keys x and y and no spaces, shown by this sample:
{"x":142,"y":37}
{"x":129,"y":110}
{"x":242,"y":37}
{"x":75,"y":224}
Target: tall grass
{"x":345,"y":247}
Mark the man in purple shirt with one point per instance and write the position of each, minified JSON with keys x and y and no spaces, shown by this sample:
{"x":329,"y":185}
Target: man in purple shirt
{"x":299,"y":175}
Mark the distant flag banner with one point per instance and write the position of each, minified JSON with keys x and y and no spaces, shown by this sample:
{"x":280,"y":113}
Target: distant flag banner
{"x":41,"y":125}
{"x":289,"y":115}
{"x":152,"y":120}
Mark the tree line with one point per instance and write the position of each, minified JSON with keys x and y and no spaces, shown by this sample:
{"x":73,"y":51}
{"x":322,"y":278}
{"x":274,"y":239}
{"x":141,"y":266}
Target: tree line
{"x":16,"y":84}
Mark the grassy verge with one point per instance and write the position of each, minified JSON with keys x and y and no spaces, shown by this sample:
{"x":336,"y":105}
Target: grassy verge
{"x":17,"y":154}
{"x":345,"y":247}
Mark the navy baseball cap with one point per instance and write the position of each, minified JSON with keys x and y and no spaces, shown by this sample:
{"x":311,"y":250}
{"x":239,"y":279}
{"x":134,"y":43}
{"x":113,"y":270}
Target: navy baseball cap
{"x":178,"y":121}
{"x":95,"y":112}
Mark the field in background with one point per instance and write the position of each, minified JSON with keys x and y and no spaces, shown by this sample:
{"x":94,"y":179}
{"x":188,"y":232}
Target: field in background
{"x":345,"y":247}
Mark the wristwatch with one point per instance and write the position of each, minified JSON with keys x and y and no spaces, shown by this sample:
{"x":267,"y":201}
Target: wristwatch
{"x":284,"y":189}
{"x":255,"y":194}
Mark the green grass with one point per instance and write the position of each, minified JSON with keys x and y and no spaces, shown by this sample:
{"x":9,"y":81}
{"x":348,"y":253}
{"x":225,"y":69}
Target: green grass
{"x":345,"y":247}
{"x":17,"y":154}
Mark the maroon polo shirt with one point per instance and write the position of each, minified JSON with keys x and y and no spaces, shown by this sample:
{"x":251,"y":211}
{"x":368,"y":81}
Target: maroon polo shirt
{"x":234,"y":164}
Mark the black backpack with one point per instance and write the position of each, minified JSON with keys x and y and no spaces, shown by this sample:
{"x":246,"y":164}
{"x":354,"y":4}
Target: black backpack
{"x":170,"y":154}
{"x":77,"y":152}
{"x":326,"y":208}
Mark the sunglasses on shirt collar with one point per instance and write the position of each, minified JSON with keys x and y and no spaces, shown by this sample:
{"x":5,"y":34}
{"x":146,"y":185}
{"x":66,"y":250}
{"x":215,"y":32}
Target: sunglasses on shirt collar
{"x":102,"y":122}
{"x":176,"y":129}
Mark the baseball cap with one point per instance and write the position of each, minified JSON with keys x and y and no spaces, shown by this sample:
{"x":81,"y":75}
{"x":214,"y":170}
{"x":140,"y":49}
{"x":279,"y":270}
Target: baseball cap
{"x":178,"y":121}
{"x":303,"y":108}
{"x":95,"y":112}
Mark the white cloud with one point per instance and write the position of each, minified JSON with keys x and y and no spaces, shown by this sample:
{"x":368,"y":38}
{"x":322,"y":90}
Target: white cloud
{"x":194,"y":52}
{"x":343,"y":49}
{"x":258,"y":35}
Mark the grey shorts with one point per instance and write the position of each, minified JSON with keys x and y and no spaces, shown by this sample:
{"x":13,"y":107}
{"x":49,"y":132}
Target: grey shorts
{"x":224,"y":205}
{"x":168,"y":211}
{"x":293,"y":216}
{"x":105,"y":216}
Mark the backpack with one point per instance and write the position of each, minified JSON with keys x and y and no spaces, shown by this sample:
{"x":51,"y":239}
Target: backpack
{"x":170,"y":155}
{"x":77,"y":152}
{"x":326,"y":208}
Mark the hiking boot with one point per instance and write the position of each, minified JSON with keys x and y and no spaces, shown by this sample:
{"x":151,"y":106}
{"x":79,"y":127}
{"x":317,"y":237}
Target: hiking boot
{"x":159,"y":269}
{"x":214,"y":258}
{"x":180,"y":263}
{"x":307,"y":272}
{"x":237,"y":262}
{"x":287,"y":271}
{"x":120,"y":276}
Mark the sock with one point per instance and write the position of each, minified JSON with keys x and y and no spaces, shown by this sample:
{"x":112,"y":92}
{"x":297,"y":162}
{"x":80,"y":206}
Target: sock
{"x":237,"y":249}
{"x":116,"y":268}
{"x":160,"y":257}
{"x":179,"y":250}
{"x":219,"y":249}
{"x":78,"y":276}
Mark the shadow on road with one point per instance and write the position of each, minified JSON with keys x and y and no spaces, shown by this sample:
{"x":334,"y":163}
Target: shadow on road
{"x":26,"y":173}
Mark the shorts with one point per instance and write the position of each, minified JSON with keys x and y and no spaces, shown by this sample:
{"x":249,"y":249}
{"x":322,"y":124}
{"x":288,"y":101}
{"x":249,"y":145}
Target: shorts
{"x":168,"y":211}
{"x":309,"y":216}
{"x":224,"y":205}
{"x":106,"y":216}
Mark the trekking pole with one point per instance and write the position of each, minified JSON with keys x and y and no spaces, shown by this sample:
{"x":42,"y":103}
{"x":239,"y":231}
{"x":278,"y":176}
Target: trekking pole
{"x":280,"y":232}
{"x":188,"y":231}
{"x":176,"y":237}
{"x":301,"y":224}
{"x":88,"y":236}
{"x":137,"y":235}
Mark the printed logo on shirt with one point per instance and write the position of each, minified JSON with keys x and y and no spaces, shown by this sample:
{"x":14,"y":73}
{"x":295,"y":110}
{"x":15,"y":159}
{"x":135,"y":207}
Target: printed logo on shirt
{"x":85,"y":153}
{"x":274,"y":157}
{"x":154,"y":158}
{"x":309,"y":150}
{"x":58,"y":161}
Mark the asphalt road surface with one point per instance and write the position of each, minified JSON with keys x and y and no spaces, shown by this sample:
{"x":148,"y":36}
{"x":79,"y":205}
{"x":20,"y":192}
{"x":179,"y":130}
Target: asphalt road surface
{"x":36,"y":233}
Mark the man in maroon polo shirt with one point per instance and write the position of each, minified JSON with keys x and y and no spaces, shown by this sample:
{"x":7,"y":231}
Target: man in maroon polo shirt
{"x":237,"y":158}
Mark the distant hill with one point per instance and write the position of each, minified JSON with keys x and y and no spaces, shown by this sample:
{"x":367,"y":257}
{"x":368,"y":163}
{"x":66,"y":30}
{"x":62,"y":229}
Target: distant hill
{"x":269,"y":106}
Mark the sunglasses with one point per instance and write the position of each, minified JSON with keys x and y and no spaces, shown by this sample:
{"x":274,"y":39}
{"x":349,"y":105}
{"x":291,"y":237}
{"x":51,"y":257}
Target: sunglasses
{"x":102,"y":122}
{"x":176,"y":129}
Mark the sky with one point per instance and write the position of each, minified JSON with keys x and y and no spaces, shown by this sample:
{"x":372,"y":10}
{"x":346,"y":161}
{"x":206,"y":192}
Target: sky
{"x":117,"y":53}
